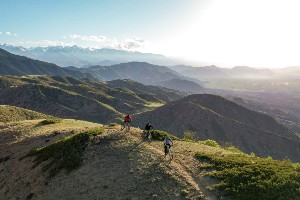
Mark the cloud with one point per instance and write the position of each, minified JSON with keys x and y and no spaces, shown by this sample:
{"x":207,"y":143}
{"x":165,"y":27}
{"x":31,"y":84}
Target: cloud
{"x":45,"y":43}
{"x":130,"y":43}
{"x":90,"y":38}
{"x":8,"y":33}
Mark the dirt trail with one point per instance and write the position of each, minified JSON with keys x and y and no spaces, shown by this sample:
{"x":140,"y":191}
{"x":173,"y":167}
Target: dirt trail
{"x":117,"y":165}
{"x":189,"y":171}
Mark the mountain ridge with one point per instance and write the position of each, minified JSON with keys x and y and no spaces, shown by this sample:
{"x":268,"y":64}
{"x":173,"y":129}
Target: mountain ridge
{"x":251,"y":135}
{"x":11,"y":64}
{"x":77,"y":56}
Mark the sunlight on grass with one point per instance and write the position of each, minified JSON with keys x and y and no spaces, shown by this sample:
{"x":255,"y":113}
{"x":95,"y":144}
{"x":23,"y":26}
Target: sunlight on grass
{"x":154,"y":104}
{"x":249,"y":177}
{"x":65,"y":153}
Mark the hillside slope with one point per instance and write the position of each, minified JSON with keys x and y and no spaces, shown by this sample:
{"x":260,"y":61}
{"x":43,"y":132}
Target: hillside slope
{"x":82,"y":99}
{"x":11,"y":64}
{"x":115,"y":165}
{"x":213,"y":117}
{"x":123,"y":165}
{"x":145,"y":73}
{"x":13,"y":113}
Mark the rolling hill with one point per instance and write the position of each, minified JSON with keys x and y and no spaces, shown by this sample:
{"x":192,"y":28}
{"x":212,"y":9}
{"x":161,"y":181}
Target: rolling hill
{"x":213,"y":117}
{"x":108,"y":164}
{"x":82,"y":99}
{"x":11,"y":64}
{"x":13,"y":113}
{"x":139,"y":71}
{"x":145,"y":73}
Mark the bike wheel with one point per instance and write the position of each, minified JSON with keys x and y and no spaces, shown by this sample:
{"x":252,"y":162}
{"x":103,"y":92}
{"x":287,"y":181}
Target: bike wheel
{"x":170,"y":154}
{"x":150,"y":136}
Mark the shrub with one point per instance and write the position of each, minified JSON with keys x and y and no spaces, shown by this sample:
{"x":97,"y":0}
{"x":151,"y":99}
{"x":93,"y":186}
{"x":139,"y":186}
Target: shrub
{"x":65,"y":153}
{"x":246,"y":177}
{"x":51,"y":121}
{"x":209,"y":142}
{"x":189,"y":135}
{"x":113,"y":124}
{"x":233,"y":149}
{"x":160,"y":135}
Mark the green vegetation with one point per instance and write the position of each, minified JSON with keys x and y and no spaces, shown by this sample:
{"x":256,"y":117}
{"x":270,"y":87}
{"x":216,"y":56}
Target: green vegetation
{"x":65,"y":153}
{"x":246,"y":177}
{"x":113,"y":124}
{"x":211,"y":143}
{"x":154,"y":104}
{"x":189,"y":136}
{"x":51,"y":121}
{"x":160,"y":135}
{"x":13,"y":114}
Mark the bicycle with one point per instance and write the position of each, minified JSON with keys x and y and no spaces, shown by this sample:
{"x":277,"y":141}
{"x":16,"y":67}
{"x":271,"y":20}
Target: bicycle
{"x":168,"y":151}
{"x":148,"y":135}
{"x":126,"y":126}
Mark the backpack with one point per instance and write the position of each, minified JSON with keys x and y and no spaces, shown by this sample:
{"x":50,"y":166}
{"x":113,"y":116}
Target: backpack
{"x":128,"y":118}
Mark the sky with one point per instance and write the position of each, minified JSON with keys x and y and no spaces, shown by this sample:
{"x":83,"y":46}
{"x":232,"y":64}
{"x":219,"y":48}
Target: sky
{"x":256,"y":33}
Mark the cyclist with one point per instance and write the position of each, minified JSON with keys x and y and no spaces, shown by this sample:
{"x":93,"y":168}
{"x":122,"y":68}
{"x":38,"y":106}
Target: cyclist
{"x":167,"y":142}
{"x":127,"y":120}
{"x":147,"y":129}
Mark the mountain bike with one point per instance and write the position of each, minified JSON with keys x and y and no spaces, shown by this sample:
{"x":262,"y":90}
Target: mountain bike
{"x":126,"y":126}
{"x":168,"y":151}
{"x":148,"y":134}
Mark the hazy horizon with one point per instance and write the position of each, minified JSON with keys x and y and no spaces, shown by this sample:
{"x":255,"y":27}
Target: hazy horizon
{"x":259,"y":34}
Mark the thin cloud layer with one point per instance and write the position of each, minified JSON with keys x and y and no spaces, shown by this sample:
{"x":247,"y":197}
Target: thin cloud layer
{"x":90,"y":38}
{"x":8,"y":33}
{"x":131,"y":43}
{"x":45,"y":43}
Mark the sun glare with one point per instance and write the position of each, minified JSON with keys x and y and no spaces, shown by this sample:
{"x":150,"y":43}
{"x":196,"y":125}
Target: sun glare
{"x":253,"y":33}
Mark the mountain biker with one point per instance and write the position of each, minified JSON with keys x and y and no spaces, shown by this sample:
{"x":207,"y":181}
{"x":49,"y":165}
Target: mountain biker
{"x":147,"y":129}
{"x":127,"y":120}
{"x":167,"y":141}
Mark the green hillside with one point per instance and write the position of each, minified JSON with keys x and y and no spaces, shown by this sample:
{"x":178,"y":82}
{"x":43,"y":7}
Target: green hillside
{"x":11,"y":64}
{"x":214,"y":117}
{"x":13,"y":113}
{"x":82,"y":99}
{"x":109,"y":164}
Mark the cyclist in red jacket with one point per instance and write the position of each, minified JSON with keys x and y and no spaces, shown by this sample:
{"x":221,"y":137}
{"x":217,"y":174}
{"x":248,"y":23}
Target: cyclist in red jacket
{"x":127,"y":120}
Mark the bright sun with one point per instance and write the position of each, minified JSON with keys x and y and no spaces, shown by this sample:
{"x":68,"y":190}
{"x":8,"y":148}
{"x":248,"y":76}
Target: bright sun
{"x":233,"y":32}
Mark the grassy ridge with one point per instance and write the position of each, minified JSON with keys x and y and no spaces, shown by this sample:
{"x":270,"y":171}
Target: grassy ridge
{"x":65,"y":153}
{"x":246,"y":177}
{"x":13,"y":113}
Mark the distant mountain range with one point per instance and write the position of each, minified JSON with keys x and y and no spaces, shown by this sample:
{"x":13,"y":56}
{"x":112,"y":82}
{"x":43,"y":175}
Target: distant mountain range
{"x":80,"y":57}
{"x":217,"y":72}
{"x":213,"y":117}
{"x":11,"y":64}
{"x":144,"y":73}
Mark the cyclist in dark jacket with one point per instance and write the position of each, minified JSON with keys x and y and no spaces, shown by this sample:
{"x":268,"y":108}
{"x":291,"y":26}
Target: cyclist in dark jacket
{"x":147,"y":129}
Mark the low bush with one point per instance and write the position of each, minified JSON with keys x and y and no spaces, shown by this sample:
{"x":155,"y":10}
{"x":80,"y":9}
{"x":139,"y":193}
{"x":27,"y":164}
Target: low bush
{"x":160,"y":135}
{"x":189,"y":136}
{"x":113,"y":124}
{"x":51,"y":121}
{"x":209,"y":142}
{"x":65,"y":153}
{"x":248,"y":177}
{"x":233,"y":149}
